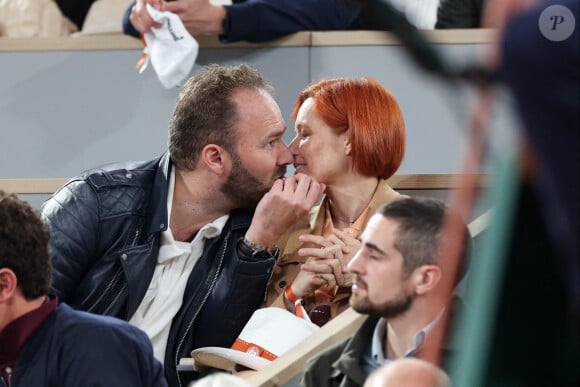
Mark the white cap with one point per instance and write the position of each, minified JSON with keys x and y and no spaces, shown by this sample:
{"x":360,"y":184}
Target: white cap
{"x":269,"y":333}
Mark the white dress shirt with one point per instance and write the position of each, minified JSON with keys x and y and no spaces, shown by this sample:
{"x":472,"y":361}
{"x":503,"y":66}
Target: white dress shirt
{"x":175,"y":262}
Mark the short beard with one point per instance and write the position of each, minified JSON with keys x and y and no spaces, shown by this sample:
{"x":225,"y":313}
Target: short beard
{"x":394,"y":308}
{"x":243,"y":188}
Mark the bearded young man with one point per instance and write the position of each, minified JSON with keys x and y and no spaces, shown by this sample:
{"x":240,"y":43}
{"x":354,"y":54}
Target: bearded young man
{"x":183,"y":246}
{"x":397,"y":283}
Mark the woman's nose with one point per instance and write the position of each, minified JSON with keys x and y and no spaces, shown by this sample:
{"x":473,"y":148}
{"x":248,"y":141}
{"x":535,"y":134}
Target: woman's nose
{"x":294,"y":146}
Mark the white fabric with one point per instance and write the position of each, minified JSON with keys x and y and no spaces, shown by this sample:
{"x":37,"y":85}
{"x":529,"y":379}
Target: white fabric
{"x":175,"y":262}
{"x":421,"y":13}
{"x":274,"y":329}
{"x":170,"y":48}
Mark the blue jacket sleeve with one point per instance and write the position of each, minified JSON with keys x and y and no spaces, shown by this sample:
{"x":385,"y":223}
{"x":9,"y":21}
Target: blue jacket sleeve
{"x":105,"y":352}
{"x":264,"y":20}
{"x":128,"y":28}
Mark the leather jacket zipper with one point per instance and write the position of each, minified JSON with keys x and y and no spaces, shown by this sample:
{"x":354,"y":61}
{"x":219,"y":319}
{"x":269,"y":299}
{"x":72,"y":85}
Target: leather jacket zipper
{"x":136,"y":238}
{"x":106,"y":291}
{"x":178,"y":351}
{"x":112,"y":303}
{"x":9,"y":376}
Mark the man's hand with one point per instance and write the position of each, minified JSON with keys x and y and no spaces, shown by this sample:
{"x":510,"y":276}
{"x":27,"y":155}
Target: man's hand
{"x":198,"y":16}
{"x":288,"y":200}
{"x":141,"y":19}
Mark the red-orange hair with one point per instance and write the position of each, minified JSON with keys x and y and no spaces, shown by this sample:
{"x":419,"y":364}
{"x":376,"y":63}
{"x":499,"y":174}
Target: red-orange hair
{"x":377,"y":130}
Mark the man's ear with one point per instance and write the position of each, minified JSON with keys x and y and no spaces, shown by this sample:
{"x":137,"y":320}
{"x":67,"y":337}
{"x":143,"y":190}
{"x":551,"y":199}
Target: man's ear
{"x":425,"y":278}
{"x":216,"y":159}
{"x":8,"y":284}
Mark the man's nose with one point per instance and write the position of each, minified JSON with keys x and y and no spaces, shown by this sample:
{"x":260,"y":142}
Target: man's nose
{"x":353,"y":265}
{"x":286,"y":156}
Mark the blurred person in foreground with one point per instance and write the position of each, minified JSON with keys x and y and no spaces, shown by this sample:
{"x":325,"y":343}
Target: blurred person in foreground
{"x":536,"y":56}
{"x":408,"y":372}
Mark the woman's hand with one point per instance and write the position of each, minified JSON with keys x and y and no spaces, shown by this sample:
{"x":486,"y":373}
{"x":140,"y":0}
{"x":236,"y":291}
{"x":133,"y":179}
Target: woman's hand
{"x":326,"y":263}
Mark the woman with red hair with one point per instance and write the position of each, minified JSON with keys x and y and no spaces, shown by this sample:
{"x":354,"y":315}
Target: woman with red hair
{"x":350,"y":136}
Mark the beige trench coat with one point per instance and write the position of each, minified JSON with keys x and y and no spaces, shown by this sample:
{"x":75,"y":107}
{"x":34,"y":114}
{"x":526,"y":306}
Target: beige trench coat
{"x":289,"y":262}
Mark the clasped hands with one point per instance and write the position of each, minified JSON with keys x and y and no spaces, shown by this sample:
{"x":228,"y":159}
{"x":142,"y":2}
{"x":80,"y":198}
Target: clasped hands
{"x":326,"y":263}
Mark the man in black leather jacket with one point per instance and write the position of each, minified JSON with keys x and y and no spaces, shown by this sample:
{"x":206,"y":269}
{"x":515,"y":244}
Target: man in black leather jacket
{"x":183,"y":246}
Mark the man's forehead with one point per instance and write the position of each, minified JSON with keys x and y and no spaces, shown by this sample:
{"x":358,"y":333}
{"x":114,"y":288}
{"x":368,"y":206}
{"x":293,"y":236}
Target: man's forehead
{"x":245,"y":96}
{"x":252,"y":102}
{"x":379,"y":226}
{"x":380,"y":234}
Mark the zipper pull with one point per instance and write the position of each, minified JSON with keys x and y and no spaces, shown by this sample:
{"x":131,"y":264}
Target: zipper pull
{"x":8,"y":371}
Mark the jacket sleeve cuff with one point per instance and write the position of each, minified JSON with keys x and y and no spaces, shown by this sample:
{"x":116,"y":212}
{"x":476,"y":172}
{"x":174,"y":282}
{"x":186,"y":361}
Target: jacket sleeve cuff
{"x":242,"y":23}
{"x":128,"y":28}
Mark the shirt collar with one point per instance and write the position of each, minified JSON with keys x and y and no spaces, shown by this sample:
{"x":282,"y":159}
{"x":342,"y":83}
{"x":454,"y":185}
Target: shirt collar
{"x":377,"y":340}
{"x":170,"y":248}
{"x":354,"y":230}
{"x":420,"y":336}
{"x":170,"y":189}
{"x":14,"y":335}
{"x":418,"y":339}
